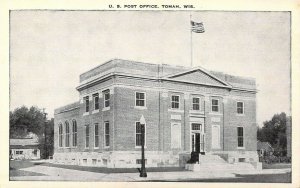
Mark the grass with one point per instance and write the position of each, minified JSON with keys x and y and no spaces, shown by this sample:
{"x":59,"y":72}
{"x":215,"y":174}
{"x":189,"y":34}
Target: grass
{"x":257,"y":178}
{"x":114,"y":170}
{"x":16,"y":166}
{"x":276,"y":165}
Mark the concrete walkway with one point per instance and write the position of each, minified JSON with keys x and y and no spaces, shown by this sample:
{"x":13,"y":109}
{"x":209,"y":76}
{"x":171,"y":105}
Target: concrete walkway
{"x":61,"y":174}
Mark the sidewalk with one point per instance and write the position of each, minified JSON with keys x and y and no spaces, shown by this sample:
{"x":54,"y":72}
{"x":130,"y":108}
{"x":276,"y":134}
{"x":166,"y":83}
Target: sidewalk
{"x":61,"y":174}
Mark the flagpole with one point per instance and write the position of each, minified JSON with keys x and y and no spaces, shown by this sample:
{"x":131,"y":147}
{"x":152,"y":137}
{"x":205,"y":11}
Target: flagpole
{"x":191,"y":42}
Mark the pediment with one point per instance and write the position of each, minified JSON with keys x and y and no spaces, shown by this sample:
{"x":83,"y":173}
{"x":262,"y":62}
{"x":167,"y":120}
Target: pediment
{"x":198,"y":76}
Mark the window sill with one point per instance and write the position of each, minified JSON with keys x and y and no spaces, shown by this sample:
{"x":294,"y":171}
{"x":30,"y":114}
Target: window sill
{"x":106,"y":108}
{"x":140,"y":107}
{"x":215,"y":113}
{"x":175,"y":110}
{"x":106,"y":147}
{"x":95,"y":111}
{"x":240,"y":114}
{"x":86,"y":113}
{"x":96,"y":147}
{"x":240,"y":148}
{"x":139,"y":147}
{"x":196,"y":112}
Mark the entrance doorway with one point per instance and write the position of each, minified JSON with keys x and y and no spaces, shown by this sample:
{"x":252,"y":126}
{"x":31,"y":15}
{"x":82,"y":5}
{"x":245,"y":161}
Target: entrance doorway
{"x":197,"y":138}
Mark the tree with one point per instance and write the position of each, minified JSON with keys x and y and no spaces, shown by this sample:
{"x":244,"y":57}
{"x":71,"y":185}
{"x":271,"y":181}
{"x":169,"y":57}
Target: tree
{"x":273,"y":132}
{"x":23,"y":120}
{"x":49,"y":132}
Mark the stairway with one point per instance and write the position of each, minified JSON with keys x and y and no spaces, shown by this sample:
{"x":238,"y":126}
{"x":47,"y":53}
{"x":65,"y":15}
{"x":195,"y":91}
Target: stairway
{"x":214,"y":163}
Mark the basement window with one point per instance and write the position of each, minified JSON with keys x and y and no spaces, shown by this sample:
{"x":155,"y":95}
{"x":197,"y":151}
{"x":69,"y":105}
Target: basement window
{"x":139,"y":161}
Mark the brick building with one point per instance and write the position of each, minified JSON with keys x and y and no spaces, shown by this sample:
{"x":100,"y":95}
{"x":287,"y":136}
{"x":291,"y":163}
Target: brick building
{"x":186,"y":109}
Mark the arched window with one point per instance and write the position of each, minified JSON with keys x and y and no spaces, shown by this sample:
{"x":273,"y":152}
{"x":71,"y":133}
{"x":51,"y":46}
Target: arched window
{"x":67,"y":134}
{"x":60,"y":135}
{"x":74,"y":133}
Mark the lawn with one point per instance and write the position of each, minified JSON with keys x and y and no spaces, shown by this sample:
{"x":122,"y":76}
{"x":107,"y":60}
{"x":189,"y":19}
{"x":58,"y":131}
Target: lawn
{"x":257,"y":178}
{"x":15,"y":168}
{"x":276,"y":165}
{"x":114,"y":170}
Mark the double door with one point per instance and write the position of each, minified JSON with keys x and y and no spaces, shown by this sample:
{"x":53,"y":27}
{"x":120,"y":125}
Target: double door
{"x":198,"y":142}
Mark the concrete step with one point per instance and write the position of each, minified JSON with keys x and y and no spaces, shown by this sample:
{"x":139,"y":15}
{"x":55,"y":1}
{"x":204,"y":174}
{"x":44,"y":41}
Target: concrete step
{"x":211,"y":159}
{"x":216,"y":163}
{"x":220,"y":167}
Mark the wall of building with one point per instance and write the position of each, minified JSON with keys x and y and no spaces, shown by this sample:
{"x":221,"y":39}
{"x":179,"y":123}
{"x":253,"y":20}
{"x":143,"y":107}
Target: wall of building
{"x":159,"y":117}
{"x":26,"y":153}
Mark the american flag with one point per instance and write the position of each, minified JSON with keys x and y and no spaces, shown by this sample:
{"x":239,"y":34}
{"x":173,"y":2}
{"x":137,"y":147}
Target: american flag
{"x":197,"y":27}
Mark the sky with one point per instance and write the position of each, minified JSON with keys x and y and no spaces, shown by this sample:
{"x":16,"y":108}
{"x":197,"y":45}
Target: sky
{"x":50,"y":49}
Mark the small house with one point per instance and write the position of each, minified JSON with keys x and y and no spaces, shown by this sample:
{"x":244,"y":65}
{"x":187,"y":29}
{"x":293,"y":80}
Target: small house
{"x":24,"y":148}
{"x":264,"y":149}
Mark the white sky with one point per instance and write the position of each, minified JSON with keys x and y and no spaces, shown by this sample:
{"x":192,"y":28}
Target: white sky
{"x":50,"y":49}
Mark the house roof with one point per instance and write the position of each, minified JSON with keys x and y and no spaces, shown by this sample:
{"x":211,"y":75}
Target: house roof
{"x":23,"y":142}
{"x":263,"y":145}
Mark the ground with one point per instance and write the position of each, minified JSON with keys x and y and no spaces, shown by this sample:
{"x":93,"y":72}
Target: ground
{"x":43,"y":170}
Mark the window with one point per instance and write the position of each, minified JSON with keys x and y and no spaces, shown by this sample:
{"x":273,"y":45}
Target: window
{"x":139,"y":161}
{"x":196,"y":127}
{"x":87,"y":136}
{"x":67,"y":144}
{"x":196,"y":103}
{"x":175,"y":102}
{"x":74,"y":133}
{"x":138,"y":134}
{"x":60,"y":135}
{"x":106,"y":133}
{"x":140,"y":99}
{"x":87,"y":104}
{"x":240,"y":133}
{"x":106,"y":98}
{"x":35,"y":152}
{"x":215,"y":105}
{"x":96,"y":101}
{"x":240,"y":107}
{"x":96,"y":135}
{"x":19,"y":152}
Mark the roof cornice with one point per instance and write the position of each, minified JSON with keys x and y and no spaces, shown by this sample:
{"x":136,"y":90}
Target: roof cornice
{"x":164,"y":78}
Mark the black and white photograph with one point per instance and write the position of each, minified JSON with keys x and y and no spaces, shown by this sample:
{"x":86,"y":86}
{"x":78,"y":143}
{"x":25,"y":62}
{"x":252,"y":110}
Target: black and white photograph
{"x":150,"y":95}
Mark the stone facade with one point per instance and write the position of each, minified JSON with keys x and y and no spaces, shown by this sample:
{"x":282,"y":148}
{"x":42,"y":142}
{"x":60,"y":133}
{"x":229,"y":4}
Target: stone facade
{"x":186,"y":109}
